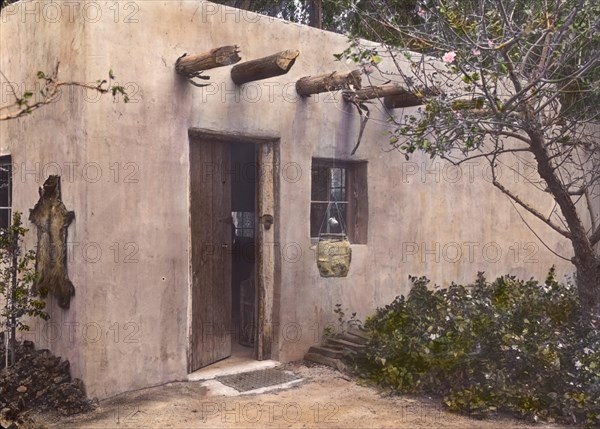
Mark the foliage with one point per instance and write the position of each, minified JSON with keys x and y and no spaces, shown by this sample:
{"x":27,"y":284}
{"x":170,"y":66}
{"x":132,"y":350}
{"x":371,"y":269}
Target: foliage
{"x":358,"y":17}
{"x":17,"y":275}
{"x":507,"y":346}
{"x":511,"y":83}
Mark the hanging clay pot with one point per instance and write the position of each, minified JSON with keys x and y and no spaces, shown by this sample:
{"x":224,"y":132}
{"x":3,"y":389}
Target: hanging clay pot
{"x":333,"y":255}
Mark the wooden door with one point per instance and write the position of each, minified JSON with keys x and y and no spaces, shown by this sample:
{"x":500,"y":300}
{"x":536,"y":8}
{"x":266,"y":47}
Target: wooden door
{"x":211,"y":233}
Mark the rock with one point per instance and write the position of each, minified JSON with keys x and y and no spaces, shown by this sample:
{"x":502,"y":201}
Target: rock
{"x":59,"y":379}
{"x":44,"y":382}
{"x":8,"y":425}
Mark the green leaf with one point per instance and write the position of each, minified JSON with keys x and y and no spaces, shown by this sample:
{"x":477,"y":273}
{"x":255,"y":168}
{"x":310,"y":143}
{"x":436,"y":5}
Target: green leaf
{"x":376,"y":59}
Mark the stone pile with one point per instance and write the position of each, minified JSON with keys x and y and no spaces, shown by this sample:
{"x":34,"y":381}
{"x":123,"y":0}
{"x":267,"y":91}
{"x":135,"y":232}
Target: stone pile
{"x":38,"y":382}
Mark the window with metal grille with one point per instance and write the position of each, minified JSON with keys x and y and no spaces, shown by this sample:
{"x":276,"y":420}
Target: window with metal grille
{"x":5,"y":191}
{"x":339,"y":199}
{"x":243,"y":223}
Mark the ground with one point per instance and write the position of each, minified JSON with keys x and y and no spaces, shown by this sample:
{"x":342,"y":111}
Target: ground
{"x":325,"y":399}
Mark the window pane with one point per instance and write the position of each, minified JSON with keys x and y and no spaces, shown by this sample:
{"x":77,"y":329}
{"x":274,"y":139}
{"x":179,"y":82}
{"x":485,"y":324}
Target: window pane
{"x":336,"y":218}
{"x":338,"y":184}
{"x":320,"y":183}
{"x":243,"y":223}
{"x":5,"y":185}
{"x":4,"y":218}
{"x":327,"y":218}
{"x":317,"y":214}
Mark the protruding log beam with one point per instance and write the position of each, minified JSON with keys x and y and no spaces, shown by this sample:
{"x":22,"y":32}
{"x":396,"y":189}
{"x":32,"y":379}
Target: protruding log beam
{"x":263,"y":68}
{"x":371,"y":92}
{"x":328,"y":82}
{"x":402,"y":100}
{"x":409,"y":99}
{"x":191,"y":65}
{"x":389,"y":91}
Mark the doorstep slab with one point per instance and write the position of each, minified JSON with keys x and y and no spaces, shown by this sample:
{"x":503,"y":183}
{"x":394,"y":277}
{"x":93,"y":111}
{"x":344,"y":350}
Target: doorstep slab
{"x":223,"y":368}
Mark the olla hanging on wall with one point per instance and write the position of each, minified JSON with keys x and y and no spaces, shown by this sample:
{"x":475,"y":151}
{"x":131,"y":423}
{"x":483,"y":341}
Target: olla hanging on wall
{"x":334,"y":253}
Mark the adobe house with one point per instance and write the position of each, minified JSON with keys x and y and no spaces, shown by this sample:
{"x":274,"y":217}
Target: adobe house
{"x":198,"y":209}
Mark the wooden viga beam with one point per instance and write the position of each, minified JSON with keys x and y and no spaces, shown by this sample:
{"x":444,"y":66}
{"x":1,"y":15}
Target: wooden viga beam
{"x":394,"y":96}
{"x":328,"y":82}
{"x":191,"y":65}
{"x":409,"y":99}
{"x":263,"y":68}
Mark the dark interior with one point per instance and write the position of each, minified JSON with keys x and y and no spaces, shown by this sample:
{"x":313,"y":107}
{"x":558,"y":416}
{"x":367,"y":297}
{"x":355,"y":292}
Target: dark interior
{"x":243,"y":206}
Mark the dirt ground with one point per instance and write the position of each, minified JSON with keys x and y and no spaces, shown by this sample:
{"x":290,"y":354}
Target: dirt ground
{"x":325,"y":399}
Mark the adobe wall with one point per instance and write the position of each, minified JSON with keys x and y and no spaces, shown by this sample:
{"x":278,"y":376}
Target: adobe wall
{"x":125,"y":174}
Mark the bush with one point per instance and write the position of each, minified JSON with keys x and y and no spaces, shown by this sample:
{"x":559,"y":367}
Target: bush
{"x":506,"y":346}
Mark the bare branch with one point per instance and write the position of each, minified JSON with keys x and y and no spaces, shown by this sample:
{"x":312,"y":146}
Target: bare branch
{"x":50,"y":92}
{"x":531,"y":210}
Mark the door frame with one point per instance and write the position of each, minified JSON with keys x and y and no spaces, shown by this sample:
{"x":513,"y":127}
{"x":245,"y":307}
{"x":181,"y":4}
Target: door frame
{"x":267,"y":235}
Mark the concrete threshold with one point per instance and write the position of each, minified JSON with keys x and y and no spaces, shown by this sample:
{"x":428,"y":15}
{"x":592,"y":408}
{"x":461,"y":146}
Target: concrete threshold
{"x":229,"y":368}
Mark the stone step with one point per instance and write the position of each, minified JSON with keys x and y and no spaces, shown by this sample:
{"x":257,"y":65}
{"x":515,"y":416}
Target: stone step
{"x":351,"y":338}
{"x":324,"y":360}
{"x":359,"y":332}
{"x":335,"y":353}
{"x":345,"y":344}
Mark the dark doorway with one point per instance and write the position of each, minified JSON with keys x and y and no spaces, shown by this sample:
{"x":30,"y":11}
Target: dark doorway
{"x":233,"y":189}
{"x":243,"y":261}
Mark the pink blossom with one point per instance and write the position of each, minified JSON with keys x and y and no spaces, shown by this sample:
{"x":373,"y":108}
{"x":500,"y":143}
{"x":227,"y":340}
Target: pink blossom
{"x":449,"y":57}
{"x":421,"y":12}
{"x":490,"y":43}
{"x":476,"y":52}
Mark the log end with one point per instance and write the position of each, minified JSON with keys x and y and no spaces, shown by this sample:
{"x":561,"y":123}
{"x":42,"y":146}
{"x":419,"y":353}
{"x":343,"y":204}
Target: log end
{"x":286,"y":59}
{"x":227,"y":55}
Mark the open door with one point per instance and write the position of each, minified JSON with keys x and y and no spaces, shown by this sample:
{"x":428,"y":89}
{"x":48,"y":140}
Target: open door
{"x":214,"y":175}
{"x":211,"y":232}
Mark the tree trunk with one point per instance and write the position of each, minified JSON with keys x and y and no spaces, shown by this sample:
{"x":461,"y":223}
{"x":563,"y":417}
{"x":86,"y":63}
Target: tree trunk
{"x":585,"y":259}
{"x":315,"y":13}
{"x":588,"y":287}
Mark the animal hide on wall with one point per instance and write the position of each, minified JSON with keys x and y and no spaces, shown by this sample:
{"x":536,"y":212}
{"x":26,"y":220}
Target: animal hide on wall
{"x":52,"y":220}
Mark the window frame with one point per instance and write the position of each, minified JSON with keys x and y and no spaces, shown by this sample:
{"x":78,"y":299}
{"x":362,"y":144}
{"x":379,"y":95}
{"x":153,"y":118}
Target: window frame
{"x":355,"y":198}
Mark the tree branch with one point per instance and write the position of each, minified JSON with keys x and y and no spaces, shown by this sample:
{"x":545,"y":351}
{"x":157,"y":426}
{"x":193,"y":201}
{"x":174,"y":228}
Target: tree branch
{"x":531,"y":210}
{"x":50,"y":91}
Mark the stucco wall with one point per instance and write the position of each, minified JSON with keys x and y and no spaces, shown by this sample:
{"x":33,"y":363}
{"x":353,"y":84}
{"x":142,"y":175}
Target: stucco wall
{"x":127,"y":325}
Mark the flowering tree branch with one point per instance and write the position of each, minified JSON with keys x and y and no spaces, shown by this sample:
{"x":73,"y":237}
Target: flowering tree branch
{"x":515,"y":77}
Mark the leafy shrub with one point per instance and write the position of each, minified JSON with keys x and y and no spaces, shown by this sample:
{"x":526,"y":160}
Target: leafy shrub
{"x":507,"y":346}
